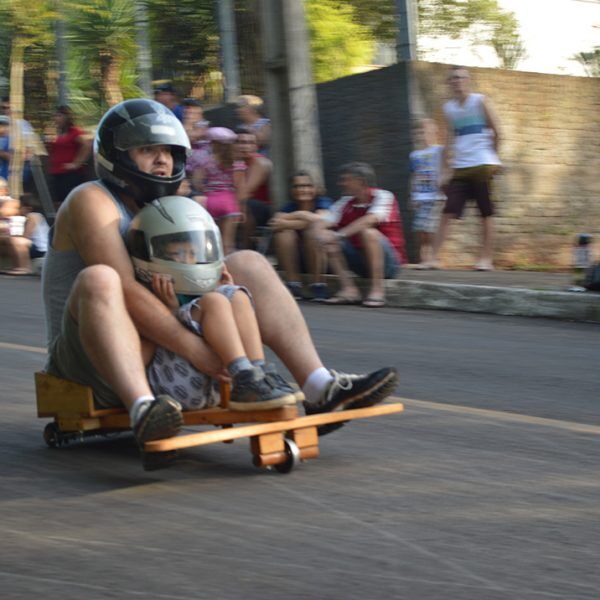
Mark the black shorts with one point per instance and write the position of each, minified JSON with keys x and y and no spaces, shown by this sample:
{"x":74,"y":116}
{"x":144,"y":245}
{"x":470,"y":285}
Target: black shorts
{"x":472,"y":183}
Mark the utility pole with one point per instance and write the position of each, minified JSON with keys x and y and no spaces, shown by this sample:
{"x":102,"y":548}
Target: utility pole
{"x":406,"y":52}
{"x":61,"y":58}
{"x":229,"y":50}
{"x":291,"y":95}
{"x":143,"y":47}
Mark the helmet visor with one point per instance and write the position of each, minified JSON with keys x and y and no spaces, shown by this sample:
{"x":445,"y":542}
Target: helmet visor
{"x":188,"y":247}
{"x":150,"y":130}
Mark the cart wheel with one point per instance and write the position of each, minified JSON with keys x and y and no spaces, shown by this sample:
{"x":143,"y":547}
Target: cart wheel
{"x":293,"y":457}
{"x":52,"y":435}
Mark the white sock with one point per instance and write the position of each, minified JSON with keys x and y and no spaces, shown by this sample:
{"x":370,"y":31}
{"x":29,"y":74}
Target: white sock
{"x":139,"y":407}
{"x":315,"y":384}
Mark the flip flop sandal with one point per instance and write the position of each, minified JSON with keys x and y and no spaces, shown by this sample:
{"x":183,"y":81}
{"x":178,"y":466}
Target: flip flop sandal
{"x":374,"y":302}
{"x":341,"y":299}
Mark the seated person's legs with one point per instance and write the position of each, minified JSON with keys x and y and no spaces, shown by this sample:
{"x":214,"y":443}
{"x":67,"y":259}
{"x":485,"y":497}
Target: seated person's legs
{"x":226,"y":320}
{"x":99,"y":346}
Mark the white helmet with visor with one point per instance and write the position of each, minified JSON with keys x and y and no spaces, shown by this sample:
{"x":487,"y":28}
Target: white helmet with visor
{"x":176,"y":236}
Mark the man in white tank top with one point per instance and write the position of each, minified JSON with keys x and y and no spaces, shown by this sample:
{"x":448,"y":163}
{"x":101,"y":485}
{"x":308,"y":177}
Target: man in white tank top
{"x":470,"y":160}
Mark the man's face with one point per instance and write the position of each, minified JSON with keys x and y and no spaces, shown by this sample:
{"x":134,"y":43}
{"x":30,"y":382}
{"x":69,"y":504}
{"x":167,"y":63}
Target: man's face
{"x":3,"y":130}
{"x":5,"y":108}
{"x":246,"y":144}
{"x":350,"y":184}
{"x":154,"y":160}
{"x":459,"y":82}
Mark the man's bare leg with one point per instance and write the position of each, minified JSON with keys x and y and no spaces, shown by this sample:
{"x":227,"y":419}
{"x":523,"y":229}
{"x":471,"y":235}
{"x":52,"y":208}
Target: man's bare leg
{"x":372,"y":240}
{"x":485,"y":262}
{"x":286,"y":247}
{"x":314,"y":255}
{"x":107,"y":332}
{"x":440,"y":238}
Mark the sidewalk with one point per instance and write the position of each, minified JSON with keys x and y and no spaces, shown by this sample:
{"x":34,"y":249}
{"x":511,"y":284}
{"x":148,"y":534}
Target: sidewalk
{"x":521,"y":293}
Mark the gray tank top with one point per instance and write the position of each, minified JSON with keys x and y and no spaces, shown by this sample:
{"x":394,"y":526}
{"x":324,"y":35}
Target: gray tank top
{"x":61,"y":269}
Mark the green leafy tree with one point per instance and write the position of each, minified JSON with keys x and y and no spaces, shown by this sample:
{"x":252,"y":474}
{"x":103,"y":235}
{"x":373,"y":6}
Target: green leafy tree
{"x":186,"y":57}
{"x":481,"y":21}
{"x":338,"y":43}
{"x":590,"y":61}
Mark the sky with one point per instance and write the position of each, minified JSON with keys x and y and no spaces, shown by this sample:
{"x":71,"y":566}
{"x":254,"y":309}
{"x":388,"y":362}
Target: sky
{"x":552,"y":30}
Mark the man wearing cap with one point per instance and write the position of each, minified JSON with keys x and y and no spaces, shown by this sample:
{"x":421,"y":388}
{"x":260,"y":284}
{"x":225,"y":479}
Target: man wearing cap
{"x":165,"y":94}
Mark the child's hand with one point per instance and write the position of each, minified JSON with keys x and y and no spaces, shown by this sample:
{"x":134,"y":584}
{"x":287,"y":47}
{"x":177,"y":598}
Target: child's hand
{"x":162,"y":285}
{"x":226,"y":278}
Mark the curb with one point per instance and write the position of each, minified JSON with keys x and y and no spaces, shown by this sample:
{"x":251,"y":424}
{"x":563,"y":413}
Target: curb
{"x":510,"y":301}
{"x":523,"y":302}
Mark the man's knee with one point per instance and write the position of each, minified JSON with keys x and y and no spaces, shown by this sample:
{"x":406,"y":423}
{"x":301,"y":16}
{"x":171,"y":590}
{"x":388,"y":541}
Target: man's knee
{"x":97,"y":281}
{"x":370,"y":235}
{"x":247,"y":260}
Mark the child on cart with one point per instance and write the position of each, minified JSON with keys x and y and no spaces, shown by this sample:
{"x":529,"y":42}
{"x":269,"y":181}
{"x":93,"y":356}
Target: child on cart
{"x":177,"y":251}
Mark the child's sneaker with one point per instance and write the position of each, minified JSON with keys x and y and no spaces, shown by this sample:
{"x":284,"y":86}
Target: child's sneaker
{"x":348,"y":391}
{"x":276,"y":379}
{"x":252,"y":390}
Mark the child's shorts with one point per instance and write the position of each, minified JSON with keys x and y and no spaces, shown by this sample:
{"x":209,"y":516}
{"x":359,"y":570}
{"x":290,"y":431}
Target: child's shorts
{"x":222,"y":204}
{"x":426,"y":216}
{"x":171,"y":374}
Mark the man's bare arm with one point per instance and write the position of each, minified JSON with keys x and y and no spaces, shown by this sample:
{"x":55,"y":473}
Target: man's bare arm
{"x":492,"y":121}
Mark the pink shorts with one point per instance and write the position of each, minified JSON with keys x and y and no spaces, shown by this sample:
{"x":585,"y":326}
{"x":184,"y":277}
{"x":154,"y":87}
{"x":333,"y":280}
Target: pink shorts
{"x":222,"y":204}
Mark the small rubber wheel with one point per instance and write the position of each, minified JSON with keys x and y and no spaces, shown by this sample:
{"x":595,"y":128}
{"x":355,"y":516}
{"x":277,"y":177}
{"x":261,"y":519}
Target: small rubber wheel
{"x":52,"y":435}
{"x":293,"y":457}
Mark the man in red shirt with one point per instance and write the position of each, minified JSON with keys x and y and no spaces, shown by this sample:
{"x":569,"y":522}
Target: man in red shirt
{"x":362,"y":232}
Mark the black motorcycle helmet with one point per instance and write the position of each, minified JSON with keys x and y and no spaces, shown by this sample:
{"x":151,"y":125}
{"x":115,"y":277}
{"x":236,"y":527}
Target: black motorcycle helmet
{"x":131,"y":124}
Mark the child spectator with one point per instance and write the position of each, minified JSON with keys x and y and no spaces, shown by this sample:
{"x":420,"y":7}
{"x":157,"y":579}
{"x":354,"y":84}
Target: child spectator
{"x":219,"y":178}
{"x":176,"y":249}
{"x":425,"y":166}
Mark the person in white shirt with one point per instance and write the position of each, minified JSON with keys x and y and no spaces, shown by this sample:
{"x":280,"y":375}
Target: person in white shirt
{"x":473,"y":138}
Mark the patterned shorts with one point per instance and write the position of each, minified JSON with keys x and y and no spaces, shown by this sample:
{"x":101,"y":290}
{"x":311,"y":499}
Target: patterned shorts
{"x":426,"y":216}
{"x":171,"y":374}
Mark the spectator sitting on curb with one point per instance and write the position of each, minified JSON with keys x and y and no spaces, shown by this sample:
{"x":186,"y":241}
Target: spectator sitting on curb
{"x":363,"y":231}
{"x":26,"y":238}
{"x":254,"y":196}
{"x":293,"y":231}
{"x":425,"y":166}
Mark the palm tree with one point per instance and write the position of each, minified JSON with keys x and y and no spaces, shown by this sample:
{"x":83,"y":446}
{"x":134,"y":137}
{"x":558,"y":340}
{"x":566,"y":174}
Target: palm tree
{"x":102,"y":33}
{"x":29,"y":24}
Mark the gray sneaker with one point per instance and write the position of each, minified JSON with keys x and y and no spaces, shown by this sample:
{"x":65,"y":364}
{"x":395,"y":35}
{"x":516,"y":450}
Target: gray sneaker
{"x":276,"y":379}
{"x":252,"y":390}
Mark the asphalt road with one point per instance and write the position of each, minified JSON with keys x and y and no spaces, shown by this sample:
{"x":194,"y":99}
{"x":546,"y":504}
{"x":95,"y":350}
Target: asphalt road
{"x":487,"y":487}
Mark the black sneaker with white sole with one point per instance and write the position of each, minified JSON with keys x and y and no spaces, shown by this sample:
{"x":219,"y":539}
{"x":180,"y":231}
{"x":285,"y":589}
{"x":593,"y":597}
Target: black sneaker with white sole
{"x":162,"y":419}
{"x":252,"y":390}
{"x":347,"y":391}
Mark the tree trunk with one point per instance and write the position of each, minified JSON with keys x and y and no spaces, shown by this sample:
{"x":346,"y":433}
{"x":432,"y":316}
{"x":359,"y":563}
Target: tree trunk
{"x":15,"y":177}
{"x":110,"y":70}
